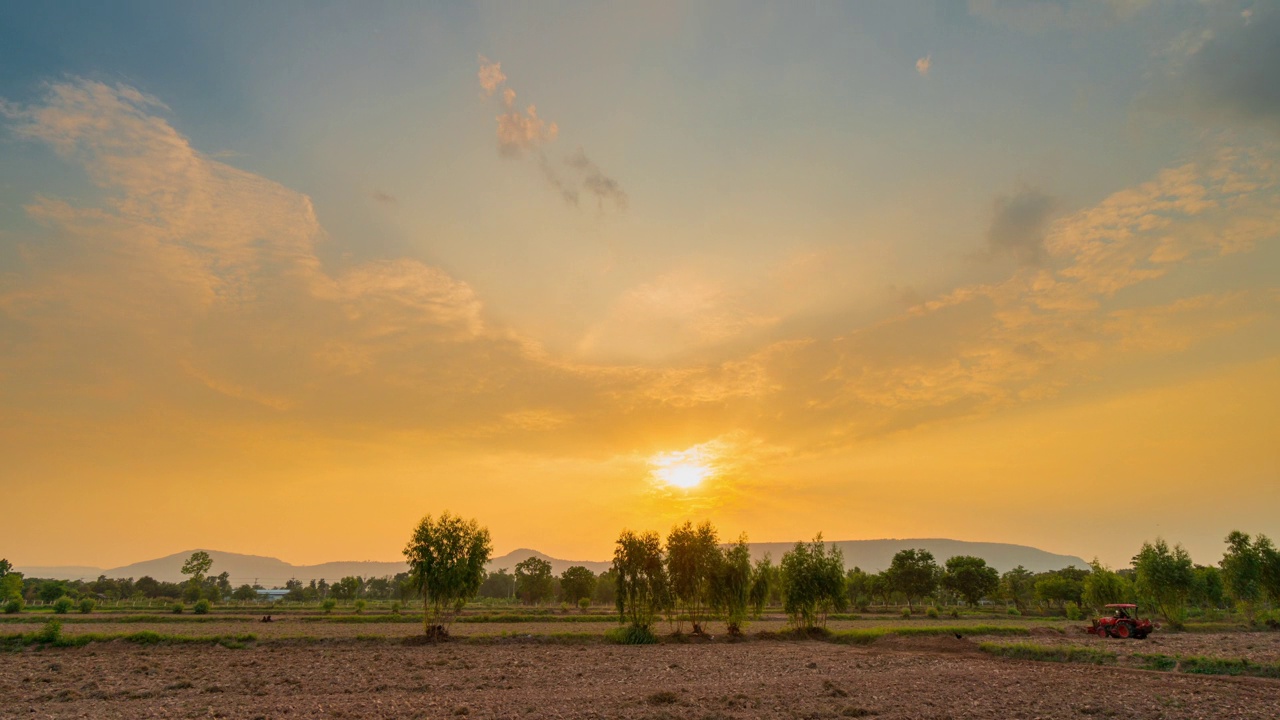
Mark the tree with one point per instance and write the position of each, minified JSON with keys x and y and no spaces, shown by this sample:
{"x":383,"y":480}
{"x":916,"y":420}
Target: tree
{"x":1242,"y":571}
{"x":446,"y":563}
{"x":970,"y":577}
{"x":11,"y":586}
{"x":607,"y":587}
{"x":913,"y":573}
{"x":1165,"y":577}
{"x":197,"y":566}
{"x":5,"y":567}
{"x":533,"y":580}
{"x":642,"y":590}
{"x":692,"y":553}
{"x":1018,"y":586}
{"x":348,"y":588}
{"x":576,"y":583}
{"x":859,"y":584}
{"x":766,"y":582}
{"x":244,"y":592}
{"x":499,"y":584}
{"x":731,"y":585}
{"x":1208,"y":591}
{"x":51,"y":590}
{"x":1103,"y":587}
{"x":812,"y":582}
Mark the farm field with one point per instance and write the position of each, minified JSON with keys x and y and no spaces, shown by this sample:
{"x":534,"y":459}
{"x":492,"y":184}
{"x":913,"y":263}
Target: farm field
{"x":327,"y":668}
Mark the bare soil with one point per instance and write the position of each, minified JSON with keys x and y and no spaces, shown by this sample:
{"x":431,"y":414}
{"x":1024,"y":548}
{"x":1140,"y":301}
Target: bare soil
{"x":937,"y":677}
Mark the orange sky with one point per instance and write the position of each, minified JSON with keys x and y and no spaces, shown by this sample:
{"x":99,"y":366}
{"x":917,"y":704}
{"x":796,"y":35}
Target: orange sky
{"x":196,"y":353}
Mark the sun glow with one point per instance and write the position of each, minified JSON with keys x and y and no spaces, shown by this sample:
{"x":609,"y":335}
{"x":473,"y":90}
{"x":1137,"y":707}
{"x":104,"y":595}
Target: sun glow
{"x":684,"y":469}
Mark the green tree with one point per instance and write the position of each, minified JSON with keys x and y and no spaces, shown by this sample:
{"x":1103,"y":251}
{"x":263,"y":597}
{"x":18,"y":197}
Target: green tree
{"x":11,"y":586}
{"x":692,"y":554}
{"x":533,"y":580}
{"x":1208,"y":591}
{"x":244,"y":592}
{"x":1243,"y":568}
{"x":731,"y":585}
{"x":970,"y":577}
{"x":446,"y":563}
{"x":914,"y":573}
{"x":51,"y":590}
{"x":576,"y":583}
{"x":812,"y":582}
{"x":5,"y":567}
{"x":498,"y":584}
{"x":348,"y":588}
{"x":197,"y":566}
{"x":1018,"y":586}
{"x":1165,"y":577}
{"x":860,"y":586}
{"x":642,"y":589}
{"x":1103,"y":587}
{"x":607,"y":587}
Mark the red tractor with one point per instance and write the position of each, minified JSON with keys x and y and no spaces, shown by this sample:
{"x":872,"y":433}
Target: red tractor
{"x":1123,"y":622}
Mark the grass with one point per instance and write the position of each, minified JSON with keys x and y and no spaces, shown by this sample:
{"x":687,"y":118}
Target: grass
{"x":870,"y":635}
{"x":50,"y":635}
{"x":1198,"y":665}
{"x":1050,"y":653}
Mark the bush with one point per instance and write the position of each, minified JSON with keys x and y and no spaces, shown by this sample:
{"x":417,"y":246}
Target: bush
{"x":176,"y":608}
{"x":584,"y":604}
{"x":14,"y":606}
{"x":202,"y":607}
{"x":631,"y":635}
{"x":86,"y":606}
{"x":63,"y":605}
{"x":932,"y":613}
{"x":1073,"y":612}
{"x":360,"y":606}
{"x":49,"y":634}
{"x":395,"y":607}
{"x":329,"y":604}
{"x":906,"y":613}
{"x":1014,"y":611}
{"x":954,"y":613}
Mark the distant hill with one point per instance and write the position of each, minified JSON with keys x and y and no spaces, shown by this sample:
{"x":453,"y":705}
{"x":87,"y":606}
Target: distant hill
{"x":870,"y":555}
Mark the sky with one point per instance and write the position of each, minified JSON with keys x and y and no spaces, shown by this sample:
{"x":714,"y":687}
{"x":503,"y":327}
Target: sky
{"x":283,"y":278}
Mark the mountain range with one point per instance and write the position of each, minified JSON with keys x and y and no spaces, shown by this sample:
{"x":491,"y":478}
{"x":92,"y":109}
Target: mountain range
{"x":870,"y":555}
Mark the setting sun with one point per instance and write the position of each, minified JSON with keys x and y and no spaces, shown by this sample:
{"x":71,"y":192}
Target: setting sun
{"x":685,"y":469}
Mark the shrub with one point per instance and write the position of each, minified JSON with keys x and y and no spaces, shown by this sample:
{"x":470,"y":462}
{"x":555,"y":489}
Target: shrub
{"x":202,"y":607}
{"x":631,"y":635}
{"x":932,"y":613}
{"x":63,"y":605}
{"x":329,"y":604}
{"x":49,"y":634}
{"x":360,"y":606}
{"x":812,"y":583}
{"x":176,"y":608}
{"x":584,"y":604}
{"x":906,"y":613}
{"x":1014,"y":611}
{"x":395,"y":607}
{"x":14,"y":606}
{"x":1073,"y":611}
{"x":954,"y":613}
{"x":86,"y":606}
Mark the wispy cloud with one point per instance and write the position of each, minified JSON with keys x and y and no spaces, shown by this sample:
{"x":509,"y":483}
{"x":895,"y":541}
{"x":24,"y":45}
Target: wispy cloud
{"x":524,"y":132}
{"x":924,"y":64}
{"x":1018,"y":224}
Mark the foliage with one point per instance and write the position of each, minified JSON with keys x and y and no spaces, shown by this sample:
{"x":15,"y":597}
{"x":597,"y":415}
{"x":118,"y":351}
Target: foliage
{"x":765,"y":581}
{"x":197,"y":566}
{"x":11,"y":586}
{"x":5,"y":567}
{"x":396,"y":607}
{"x":446,"y":560}
{"x":63,"y":605}
{"x":970,"y":577}
{"x":1059,"y":587}
{"x":607,"y":588}
{"x":1103,"y":587}
{"x":931,"y":613}
{"x":348,"y":588}
{"x":1250,"y":570}
{"x":360,"y":605}
{"x":176,"y":608}
{"x":858,"y":584}
{"x":812,"y":583}
{"x":913,"y":573}
{"x":533,"y":580}
{"x":692,"y":555}
{"x":642,"y":590}
{"x":1050,"y":653}
{"x":584,"y":604}
{"x":1165,"y":577}
{"x":498,"y":584}
{"x":245,"y":592}
{"x":86,"y":606}
{"x":51,"y":590}
{"x":731,"y":584}
{"x":13,"y":606}
{"x":202,"y":607}
{"x":1018,"y":586}
{"x":328,"y":605}
{"x":631,"y":635}
{"x":1208,"y":591}
{"x":576,"y":584}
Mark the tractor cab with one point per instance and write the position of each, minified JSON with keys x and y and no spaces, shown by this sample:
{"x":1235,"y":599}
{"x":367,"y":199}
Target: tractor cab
{"x":1122,"y":622}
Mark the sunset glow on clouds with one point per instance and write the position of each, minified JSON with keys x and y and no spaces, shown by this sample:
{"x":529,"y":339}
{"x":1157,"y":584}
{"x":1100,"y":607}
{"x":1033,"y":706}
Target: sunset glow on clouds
{"x":892,"y":312}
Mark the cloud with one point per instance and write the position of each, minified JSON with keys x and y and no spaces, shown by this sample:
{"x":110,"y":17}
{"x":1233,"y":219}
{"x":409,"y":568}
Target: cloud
{"x":384,"y":198}
{"x":1037,"y":16}
{"x":1233,"y":72}
{"x":491,"y":76}
{"x":1018,"y":225}
{"x":524,"y":132}
{"x":923,"y":64}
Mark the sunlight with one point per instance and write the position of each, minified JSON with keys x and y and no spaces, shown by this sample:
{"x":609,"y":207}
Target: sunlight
{"x":684,"y":469}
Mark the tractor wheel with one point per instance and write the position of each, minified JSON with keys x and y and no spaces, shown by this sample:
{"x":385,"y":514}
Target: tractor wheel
{"x":1103,"y":632}
{"x":1122,"y":630}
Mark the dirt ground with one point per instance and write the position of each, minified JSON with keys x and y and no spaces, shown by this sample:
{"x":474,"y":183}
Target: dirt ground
{"x":904,"y":678}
